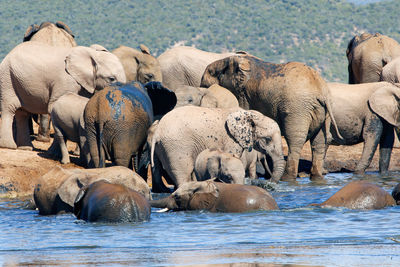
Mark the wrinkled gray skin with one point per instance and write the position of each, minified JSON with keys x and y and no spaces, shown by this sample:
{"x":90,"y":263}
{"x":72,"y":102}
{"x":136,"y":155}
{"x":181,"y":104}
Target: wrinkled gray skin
{"x":184,"y":65}
{"x":139,"y":65}
{"x":68,"y":124}
{"x":214,"y":163}
{"x":217,"y":197}
{"x":396,"y":194}
{"x":105,"y":202}
{"x":292,"y":94}
{"x":391,"y":71}
{"x":56,"y":191}
{"x":213,"y":97}
{"x":34,"y":75}
{"x":367,"y":54}
{"x":366,"y":113}
{"x":54,"y":34}
{"x":360,"y":195}
{"x":183,"y":133}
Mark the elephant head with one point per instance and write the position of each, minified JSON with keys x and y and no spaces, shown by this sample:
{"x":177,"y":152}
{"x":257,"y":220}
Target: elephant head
{"x":385,"y":102}
{"x":197,"y":96}
{"x":163,"y":99}
{"x":56,"y":34}
{"x":251,"y":129}
{"x":139,"y":65}
{"x":396,"y":194}
{"x":93,"y":68}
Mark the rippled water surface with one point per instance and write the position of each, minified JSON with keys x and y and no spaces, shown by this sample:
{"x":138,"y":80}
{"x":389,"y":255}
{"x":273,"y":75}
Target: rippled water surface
{"x":296,"y":234}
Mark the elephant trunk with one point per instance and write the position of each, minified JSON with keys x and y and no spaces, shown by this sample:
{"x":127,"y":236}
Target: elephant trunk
{"x":279,"y":167}
{"x":207,"y":80}
{"x":167,"y":202}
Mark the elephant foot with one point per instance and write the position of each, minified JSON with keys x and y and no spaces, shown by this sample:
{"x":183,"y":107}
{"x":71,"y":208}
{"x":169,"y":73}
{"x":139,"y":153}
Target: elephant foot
{"x":287,"y":178}
{"x":42,"y":138}
{"x":27,"y":148}
{"x":359,"y":172}
{"x":8,"y":144}
{"x":316,"y":177}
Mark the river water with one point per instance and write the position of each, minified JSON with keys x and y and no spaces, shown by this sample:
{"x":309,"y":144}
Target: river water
{"x":296,"y":234}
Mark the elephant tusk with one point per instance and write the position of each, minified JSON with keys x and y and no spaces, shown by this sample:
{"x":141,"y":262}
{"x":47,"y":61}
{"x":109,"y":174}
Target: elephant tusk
{"x":163,"y":210}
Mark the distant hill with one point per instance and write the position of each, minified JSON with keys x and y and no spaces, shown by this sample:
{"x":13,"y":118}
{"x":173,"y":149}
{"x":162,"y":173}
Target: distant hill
{"x":315,"y":32}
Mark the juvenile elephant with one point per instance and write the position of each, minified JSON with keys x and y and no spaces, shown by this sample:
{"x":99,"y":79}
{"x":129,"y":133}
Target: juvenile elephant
{"x":68,"y":124}
{"x":360,"y":195}
{"x":184,"y":65}
{"x":213,"y":97}
{"x":366,"y":113}
{"x":396,"y":194}
{"x":54,"y":34}
{"x":139,"y":65}
{"x":367,"y":54}
{"x":214,"y":163}
{"x":117,"y":119}
{"x":34,"y":75}
{"x":292,"y":94}
{"x":102,"y":201}
{"x":391,"y":71}
{"x":56,"y":191}
{"x":217,"y":197}
{"x":183,"y":133}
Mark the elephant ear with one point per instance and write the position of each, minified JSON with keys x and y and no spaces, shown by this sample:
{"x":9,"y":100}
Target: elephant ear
{"x":204,"y":196}
{"x":65,"y":27}
{"x":385,"y":103}
{"x":82,"y":66}
{"x":241,"y":126}
{"x":144,"y":49}
{"x":78,"y":201}
{"x":208,"y":100}
{"x":69,"y":189}
{"x":163,"y":99}
{"x":98,"y":47}
{"x":32,"y":29}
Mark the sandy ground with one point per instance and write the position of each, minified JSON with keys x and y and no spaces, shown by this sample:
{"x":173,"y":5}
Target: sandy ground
{"x":20,"y":169}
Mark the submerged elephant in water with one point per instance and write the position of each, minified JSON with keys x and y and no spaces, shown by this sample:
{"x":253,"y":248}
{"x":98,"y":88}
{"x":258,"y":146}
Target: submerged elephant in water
{"x":217,"y":197}
{"x":359,"y":195}
{"x":102,"y":201}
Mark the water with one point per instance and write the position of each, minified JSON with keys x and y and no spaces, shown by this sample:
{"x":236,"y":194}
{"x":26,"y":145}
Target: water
{"x":296,"y":234}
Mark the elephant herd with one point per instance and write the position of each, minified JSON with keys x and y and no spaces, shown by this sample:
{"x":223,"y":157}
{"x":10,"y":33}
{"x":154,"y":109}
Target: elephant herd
{"x":203,"y":121}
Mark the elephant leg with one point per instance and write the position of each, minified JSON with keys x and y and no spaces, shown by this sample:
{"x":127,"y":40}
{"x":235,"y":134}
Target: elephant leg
{"x":372,"y":133}
{"x":92,"y":142}
{"x":23,"y":137}
{"x":318,"y":150}
{"x":44,"y":128}
{"x":385,"y":147}
{"x":6,"y":133}
{"x":60,"y":141}
{"x":397,"y":140}
{"x":156,"y":180}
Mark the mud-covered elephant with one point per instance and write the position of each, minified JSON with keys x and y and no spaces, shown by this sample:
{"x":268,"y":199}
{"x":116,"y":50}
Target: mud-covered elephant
{"x":139,"y":65}
{"x":217,"y":197}
{"x":117,"y":119}
{"x":56,"y":191}
{"x":184,"y":65}
{"x":213,"y":97}
{"x":292,"y":94}
{"x":68,"y":124}
{"x":183,"y":133}
{"x":359,"y":195}
{"x":34,"y":75}
{"x":54,"y":34}
{"x":105,"y":202}
{"x":367,"y":54}
{"x":216,"y":164}
{"x":366,"y":113}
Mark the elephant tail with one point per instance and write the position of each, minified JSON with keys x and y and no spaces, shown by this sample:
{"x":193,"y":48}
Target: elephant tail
{"x":332,"y":118}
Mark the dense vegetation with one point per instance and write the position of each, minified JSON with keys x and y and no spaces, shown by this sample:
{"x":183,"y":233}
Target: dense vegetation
{"x":315,"y":32}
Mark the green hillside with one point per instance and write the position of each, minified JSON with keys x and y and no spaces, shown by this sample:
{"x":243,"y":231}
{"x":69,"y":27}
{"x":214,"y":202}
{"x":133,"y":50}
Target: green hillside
{"x":315,"y":32}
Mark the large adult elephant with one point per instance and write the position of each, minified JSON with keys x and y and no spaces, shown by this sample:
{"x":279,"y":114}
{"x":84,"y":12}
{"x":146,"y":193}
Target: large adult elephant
{"x":366,"y":113}
{"x":292,"y":94}
{"x":184,"y":65}
{"x":54,"y":34}
{"x":139,"y":65}
{"x":117,"y":119}
{"x":367,"y":54}
{"x":183,"y":133}
{"x":34,"y":75}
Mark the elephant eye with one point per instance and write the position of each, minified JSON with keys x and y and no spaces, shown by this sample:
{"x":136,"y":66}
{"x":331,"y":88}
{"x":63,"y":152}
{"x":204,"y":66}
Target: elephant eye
{"x":111,"y":79}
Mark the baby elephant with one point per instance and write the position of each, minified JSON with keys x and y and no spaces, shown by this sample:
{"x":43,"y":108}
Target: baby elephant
{"x":360,"y":195}
{"x":214,"y":163}
{"x":217,"y":197}
{"x":112,"y":203}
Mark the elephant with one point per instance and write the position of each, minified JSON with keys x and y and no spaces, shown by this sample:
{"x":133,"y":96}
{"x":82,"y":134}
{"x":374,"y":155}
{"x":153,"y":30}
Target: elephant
{"x":396,"y":194}
{"x":68,"y":124}
{"x":139,"y":65}
{"x":367,"y":54}
{"x":217,"y":197}
{"x":366,"y":113}
{"x":213,"y":97}
{"x":34,"y":75}
{"x":216,"y":164}
{"x":391,"y":71}
{"x":55,"y":34}
{"x":118,"y":117}
{"x":183,"y":133}
{"x":105,"y":202}
{"x":184,"y":65}
{"x":56,"y":191}
{"x":359,"y":195}
{"x":292,"y":94}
